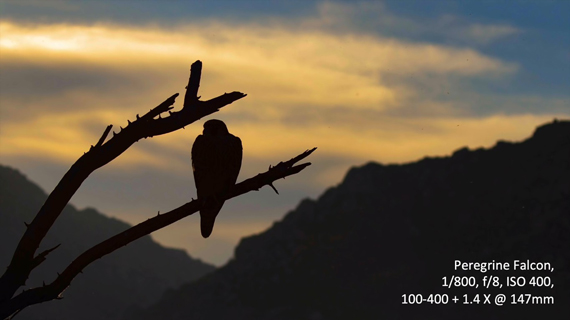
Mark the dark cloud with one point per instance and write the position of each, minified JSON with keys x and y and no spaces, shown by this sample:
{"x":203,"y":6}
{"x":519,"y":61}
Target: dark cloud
{"x":27,"y":89}
{"x":164,"y":13}
{"x":38,"y":81}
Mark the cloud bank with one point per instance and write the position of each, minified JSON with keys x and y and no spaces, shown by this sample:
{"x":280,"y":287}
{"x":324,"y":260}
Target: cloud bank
{"x":325,"y":81}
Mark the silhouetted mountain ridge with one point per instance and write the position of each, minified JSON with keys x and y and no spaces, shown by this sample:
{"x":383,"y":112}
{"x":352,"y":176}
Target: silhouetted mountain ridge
{"x":389,"y":230}
{"x":134,"y":275}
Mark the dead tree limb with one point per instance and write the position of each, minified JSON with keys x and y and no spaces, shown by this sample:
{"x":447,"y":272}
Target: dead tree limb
{"x":24,"y":259}
{"x":55,"y":289}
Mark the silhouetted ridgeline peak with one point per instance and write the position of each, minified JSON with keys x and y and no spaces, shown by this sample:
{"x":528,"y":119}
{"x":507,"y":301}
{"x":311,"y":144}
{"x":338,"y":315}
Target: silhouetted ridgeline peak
{"x":389,"y":230}
{"x":137,"y":274}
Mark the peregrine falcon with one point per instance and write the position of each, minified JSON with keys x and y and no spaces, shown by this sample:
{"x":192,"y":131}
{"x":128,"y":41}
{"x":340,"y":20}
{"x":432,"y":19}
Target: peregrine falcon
{"x":216,"y":161}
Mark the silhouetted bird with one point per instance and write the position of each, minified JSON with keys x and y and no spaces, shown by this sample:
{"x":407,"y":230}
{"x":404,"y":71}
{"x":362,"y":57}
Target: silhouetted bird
{"x":216,"y":160}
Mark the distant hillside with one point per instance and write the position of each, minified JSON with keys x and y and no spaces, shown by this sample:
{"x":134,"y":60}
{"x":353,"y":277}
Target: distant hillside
{"x":389,"y":230}
{"x":137,"y":274}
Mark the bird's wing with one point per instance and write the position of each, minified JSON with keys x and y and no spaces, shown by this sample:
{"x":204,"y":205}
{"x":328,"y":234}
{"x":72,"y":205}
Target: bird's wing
{"x":232,"y":160}
{"x":206,"y":164}
{"x":216,"y":162}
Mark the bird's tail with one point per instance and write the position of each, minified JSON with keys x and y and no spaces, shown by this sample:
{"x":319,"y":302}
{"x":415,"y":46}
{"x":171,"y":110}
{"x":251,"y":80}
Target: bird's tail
{"x":208,"y":213}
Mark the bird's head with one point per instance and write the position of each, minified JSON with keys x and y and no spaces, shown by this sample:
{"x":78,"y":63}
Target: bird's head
{"x":215,"y":127}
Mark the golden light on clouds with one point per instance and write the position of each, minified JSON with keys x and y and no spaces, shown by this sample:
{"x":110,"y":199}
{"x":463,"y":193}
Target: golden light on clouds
{"x":389,"y":144}
{"x":282,"y":70}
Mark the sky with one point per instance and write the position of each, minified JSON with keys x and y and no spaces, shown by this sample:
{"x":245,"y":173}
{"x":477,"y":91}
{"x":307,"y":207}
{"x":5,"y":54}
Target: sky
{"x":383,"y":81}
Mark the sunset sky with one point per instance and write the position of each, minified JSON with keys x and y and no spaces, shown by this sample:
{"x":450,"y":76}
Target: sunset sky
{"x":384,"y":81}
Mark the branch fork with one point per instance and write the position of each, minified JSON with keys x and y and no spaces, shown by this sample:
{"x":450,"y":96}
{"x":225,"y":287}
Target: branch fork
{"x":24,"y":260}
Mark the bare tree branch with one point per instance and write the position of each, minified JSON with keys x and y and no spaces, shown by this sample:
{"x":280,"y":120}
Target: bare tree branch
{"x":193,"y":84}
{"x":23,"y":260}
{"x":43,"y":256}
{"x":55,"y":289}
{"x":104,"y":136}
